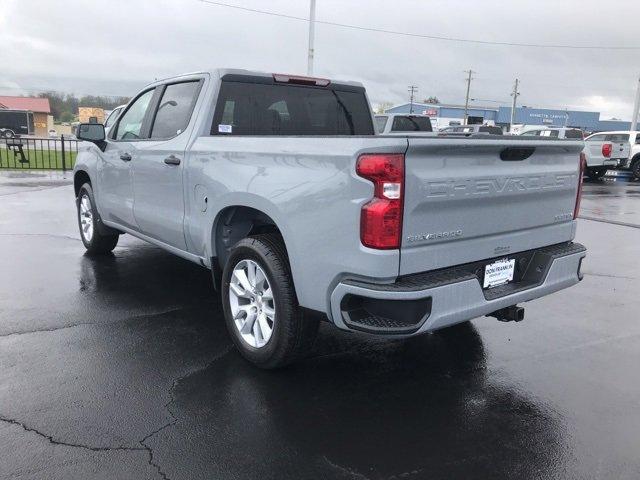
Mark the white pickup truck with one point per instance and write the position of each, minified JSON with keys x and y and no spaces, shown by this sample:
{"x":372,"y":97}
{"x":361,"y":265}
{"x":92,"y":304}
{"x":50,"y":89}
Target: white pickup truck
{"x":280,"y":185}
{"x":606,"y":150}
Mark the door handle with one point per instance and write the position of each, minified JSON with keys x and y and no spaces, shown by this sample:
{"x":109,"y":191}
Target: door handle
{"x":172,"y":160}
{"x":125,"y":157}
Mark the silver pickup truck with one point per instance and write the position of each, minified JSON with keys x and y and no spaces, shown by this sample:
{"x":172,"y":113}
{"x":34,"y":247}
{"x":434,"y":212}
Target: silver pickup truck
{"x":281,"y":187}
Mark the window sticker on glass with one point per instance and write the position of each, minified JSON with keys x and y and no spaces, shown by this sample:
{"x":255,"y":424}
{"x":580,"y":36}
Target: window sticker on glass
{"x":225,"y":128}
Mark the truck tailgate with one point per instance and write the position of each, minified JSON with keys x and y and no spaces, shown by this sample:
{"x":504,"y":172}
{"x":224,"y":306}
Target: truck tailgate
{"x":469,"y":199}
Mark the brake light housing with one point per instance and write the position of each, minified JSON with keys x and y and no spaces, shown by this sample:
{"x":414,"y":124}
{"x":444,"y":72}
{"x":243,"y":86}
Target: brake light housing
{"x":300,"y":80}
{"x":381,"y":217}
{"x":607,"y":148}
{"x":583,"y":168}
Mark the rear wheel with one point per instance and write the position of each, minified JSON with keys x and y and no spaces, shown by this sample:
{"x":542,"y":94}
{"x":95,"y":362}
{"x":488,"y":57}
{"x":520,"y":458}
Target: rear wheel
{"x":635,"y":168}
{"x":8,"y":134}
{"x":261,"y":310}
{"x":596,"y":173}
{"x":93,"y":240}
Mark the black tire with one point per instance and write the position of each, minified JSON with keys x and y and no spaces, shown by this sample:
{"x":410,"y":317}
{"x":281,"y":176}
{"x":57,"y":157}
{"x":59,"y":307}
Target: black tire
{"x":8,"y":134}
{"x":635,"y":169}
{"x":596,"y":173}
{"x":96,"y":243}
{"x":293,"y":332}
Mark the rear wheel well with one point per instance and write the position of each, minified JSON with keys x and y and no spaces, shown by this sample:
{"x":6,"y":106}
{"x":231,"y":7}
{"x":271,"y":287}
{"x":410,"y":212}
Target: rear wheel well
{"x":80,"y":178}
{"x":234,"y":224}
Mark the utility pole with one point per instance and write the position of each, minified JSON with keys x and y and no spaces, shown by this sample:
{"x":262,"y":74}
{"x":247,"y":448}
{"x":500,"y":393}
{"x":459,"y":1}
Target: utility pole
{"x":312,"y":28}
{"x":636,"y":108}
{"x":412,"y":90}
{"x":466,"y":102}
{"x":514,"y":94}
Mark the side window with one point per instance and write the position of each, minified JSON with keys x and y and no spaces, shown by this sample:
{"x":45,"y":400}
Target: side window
{"x":573,"y":134}
{"x":130,"y":124}
{"x":595,"y":138}
{"x":638,"y":139}
{"x":617,"y":137}
{"x":381,"y":122}
{"x":174,"y":109}
{"x":113,"y":116}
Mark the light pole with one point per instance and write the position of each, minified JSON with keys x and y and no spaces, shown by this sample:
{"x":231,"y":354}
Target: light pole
{"x":412,"y":90}
{"x":312,"y":28}
{"x":636,"y":108}
{"x":513,"y":105}
{"x":466,"y":102}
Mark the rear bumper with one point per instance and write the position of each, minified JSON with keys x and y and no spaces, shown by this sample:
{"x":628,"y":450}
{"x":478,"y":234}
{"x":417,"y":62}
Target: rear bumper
{"x":429,"y":301}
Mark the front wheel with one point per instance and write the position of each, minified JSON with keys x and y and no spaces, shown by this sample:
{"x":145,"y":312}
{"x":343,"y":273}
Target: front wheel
{"x":260,"y":306}
{"x":8,"y":134}
{"x":93,"y":240}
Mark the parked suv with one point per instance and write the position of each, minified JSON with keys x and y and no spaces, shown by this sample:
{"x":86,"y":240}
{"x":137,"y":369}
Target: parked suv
{"x":280,"y":185}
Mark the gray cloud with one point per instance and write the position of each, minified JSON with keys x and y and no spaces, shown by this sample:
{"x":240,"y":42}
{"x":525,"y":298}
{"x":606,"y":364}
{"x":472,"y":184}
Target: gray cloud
{"x":115,"y":47}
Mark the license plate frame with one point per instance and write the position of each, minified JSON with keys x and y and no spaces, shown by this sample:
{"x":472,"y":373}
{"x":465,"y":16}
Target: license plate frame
{"x":499,"y":272}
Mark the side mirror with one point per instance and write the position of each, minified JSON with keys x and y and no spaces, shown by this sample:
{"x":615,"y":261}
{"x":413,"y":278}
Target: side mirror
{"x":91,"y":132}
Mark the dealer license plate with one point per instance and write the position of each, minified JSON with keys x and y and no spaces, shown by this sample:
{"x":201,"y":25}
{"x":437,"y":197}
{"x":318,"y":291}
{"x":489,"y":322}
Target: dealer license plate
{"x":499,"y":273}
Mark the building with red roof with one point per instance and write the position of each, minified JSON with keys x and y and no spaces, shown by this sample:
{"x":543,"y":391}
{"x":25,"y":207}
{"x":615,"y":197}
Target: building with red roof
{"x":42,"y":118}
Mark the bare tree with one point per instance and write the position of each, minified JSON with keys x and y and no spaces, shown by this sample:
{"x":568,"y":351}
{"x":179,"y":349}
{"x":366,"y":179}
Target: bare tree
{"x":383,"y":106}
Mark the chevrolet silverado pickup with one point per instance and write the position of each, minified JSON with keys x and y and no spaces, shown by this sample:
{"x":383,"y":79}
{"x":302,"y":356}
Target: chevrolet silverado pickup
{"x":281,"y":187}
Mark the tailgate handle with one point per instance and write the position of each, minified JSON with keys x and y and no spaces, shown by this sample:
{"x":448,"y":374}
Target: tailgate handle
{"x":516,"y":154}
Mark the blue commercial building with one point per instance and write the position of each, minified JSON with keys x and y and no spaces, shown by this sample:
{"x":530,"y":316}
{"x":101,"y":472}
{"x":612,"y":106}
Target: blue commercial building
{"x":445,"y":115}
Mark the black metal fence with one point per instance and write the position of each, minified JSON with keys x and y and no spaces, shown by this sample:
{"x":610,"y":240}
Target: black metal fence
{"x":28,"y":153}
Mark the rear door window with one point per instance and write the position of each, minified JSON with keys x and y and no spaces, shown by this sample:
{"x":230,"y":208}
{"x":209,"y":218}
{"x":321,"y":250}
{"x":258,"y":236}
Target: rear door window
{"x":381,"y":122}
{"x":573,"y":134}
{"x":174,"y":109}
{"x":411,"y":124}
{"x":245,"y":108}
{"x":491,"y":130}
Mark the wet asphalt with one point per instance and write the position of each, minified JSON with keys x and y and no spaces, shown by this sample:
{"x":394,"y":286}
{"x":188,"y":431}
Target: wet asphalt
{"x":120,"y":368}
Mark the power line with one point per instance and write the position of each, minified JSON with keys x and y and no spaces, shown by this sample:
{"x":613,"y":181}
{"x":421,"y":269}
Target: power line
{"x":420,"y":35}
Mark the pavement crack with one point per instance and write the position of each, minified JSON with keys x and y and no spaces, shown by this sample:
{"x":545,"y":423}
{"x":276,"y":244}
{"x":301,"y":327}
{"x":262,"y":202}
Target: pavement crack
{"x":53,"y":441}
{"x":81,"y":324}
{"x":52,"y":235}
{"x":172,"y":414}
{"x":622,"y":277}
{"x":612,"y":222}
{"x":352,"y":473}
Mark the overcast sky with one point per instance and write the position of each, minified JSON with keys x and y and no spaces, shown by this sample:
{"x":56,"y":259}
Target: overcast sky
{"x":116,"y":46}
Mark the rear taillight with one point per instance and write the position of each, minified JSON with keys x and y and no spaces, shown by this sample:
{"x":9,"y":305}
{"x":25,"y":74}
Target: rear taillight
{"x":381,"y":218}
{"x":583,"y":167}
{"x":606,"y":149}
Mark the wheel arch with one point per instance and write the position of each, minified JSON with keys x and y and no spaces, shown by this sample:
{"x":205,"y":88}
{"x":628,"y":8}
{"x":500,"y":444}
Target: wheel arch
{"x":80,"y":177}
{"x":235,"y":222}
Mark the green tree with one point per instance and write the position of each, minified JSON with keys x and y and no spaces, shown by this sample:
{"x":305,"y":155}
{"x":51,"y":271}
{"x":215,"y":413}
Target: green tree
{"x":432,"y":100}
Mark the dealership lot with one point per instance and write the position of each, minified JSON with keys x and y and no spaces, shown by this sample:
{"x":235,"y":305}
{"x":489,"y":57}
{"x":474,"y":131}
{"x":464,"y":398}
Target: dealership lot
{"x":121,"y":367}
